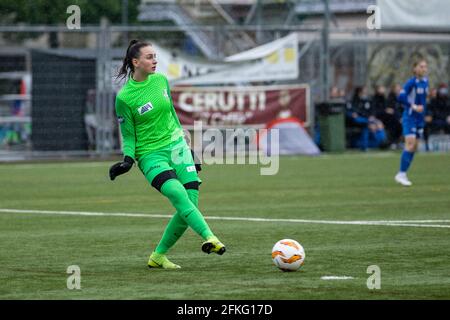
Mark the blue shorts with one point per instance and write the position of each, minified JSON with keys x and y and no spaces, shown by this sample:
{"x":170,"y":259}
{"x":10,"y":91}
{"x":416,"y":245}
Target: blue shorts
{"x":413,"y":127}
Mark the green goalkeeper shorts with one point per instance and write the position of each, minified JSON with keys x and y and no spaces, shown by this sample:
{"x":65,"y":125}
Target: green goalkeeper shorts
{"x":176,"y":156}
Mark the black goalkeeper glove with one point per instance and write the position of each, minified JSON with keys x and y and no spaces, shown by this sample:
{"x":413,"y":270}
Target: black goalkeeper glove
{"x":198,"y":163}
{"x":120,"y":167}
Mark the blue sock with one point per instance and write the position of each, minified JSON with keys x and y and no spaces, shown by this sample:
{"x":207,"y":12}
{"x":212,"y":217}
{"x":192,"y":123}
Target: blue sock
{"x":406,"y":159}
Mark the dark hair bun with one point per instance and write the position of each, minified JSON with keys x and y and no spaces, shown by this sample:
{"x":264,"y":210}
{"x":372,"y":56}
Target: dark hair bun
{"x":134,"y":41}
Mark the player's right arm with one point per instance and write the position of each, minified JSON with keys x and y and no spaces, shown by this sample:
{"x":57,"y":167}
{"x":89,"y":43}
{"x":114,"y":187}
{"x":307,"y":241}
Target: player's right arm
{"x":127,"y":130}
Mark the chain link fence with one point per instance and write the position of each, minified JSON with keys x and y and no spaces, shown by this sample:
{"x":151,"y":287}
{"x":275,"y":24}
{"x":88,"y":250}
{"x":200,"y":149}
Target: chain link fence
{"x":59,"y":102}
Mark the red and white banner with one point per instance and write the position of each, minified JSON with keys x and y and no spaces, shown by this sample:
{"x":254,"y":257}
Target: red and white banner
{"x":241,"y":106}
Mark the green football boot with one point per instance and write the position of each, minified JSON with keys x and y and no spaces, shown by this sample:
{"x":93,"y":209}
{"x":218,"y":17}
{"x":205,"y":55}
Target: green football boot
{"x":158,"y":260}
{"x":213,"y":245}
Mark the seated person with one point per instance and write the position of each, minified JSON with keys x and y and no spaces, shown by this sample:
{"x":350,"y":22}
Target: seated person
{"x":438,"y":116}
{"x":385,"y":112}
{"x":360,"y":114}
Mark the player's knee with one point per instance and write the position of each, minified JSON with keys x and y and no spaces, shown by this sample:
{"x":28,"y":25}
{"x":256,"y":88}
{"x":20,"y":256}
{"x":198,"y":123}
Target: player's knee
{"x":410,"y":146}
{"x":193,"y":185}
{"x":178,"y":197}
{"x":163,"y":177}
{"x":175,"y":192}
{"x":192,"y":191}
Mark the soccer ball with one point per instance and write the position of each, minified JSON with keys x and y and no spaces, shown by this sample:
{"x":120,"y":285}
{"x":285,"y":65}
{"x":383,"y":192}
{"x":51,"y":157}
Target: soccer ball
{"x":288,"y":255}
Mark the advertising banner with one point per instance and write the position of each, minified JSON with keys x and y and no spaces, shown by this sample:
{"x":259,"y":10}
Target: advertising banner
{"x":241,"y":106}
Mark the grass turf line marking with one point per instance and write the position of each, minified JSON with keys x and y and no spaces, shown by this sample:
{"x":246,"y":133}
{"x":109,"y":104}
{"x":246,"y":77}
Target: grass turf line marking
{"x":398,"y":223}
{"x":336,"y":278}
{"x":20,"y":166}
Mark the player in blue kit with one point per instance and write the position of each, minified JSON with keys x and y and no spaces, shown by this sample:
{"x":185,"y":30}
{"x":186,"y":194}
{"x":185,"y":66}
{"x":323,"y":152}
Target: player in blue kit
{"x":413,"y":98}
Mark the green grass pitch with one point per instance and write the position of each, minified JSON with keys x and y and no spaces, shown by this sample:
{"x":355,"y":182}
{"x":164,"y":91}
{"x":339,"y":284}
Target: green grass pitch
{"x":112,"y":251}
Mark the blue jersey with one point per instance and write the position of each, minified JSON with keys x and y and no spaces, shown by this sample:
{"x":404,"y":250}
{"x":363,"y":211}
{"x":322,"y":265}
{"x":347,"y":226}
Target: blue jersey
{"x":415,"y":92}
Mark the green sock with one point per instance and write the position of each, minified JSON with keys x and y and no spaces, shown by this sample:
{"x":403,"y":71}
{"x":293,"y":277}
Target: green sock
{"x":174,"y":230}
{"x":177,"y":225}
{"x":178,"y":196}
{"x":193,"y":196}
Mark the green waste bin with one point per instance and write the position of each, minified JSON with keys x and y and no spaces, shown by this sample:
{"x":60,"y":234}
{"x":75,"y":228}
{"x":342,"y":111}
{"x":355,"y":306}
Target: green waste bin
{"x":331,"y":117}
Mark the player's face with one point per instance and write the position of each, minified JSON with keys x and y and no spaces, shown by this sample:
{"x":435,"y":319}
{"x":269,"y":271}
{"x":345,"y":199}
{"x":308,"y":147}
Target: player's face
{"x":146,"y":61}
{"x":421,"y":69}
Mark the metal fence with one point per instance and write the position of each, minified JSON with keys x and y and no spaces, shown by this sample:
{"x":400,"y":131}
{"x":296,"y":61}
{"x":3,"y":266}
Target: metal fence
{"x":60,"y":101}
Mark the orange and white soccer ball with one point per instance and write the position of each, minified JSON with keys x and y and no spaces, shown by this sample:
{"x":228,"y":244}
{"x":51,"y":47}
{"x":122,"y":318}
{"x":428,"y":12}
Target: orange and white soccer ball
{"x":288,"y":255}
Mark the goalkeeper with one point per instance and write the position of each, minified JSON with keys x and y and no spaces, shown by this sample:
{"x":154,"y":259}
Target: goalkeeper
{"x":152,"y":136}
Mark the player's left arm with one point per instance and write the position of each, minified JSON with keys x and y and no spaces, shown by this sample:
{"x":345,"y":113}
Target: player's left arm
{"x":423,"y":100}
{"x":174,"y":114}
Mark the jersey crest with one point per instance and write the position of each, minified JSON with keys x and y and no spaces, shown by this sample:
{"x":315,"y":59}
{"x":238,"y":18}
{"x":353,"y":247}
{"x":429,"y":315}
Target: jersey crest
{"x":145,"y":108}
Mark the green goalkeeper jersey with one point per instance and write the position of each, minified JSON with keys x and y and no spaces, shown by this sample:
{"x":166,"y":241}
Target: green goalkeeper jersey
{"x":147,"y":118}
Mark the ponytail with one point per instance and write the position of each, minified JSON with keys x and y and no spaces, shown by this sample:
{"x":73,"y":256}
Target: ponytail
{"x":133,"y":52}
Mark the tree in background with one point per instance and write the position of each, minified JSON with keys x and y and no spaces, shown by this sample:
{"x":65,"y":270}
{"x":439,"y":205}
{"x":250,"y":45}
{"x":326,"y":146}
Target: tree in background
{"x":50,"y":12}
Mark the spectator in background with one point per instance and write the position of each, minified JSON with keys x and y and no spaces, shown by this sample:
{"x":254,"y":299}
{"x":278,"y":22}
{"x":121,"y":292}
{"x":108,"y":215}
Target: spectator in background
{"x":379,"y":101}
{"x":334,"y":92}
{"x":336,"y":95}
{"x":393,"y":103}
{"x":358,"y":118}
{"x":433,"y":94}
{"x":387,"y":115}
{"x":362,"y":114}
{"x":438,"y":117}
{"x":361,"y":105}
{"x":428,"y":117}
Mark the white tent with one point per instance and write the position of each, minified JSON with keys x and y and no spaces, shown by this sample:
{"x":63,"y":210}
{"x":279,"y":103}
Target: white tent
{"x":293,"y":139}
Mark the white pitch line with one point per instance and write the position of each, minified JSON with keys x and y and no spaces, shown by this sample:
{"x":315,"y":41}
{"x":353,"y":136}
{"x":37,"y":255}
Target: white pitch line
{"x":368,"y":222}
{"x":88,"y":213}
{"x":21,"y":166}
{"x":416,"y":221}
{"x":336,"y":278}
{"x":404,"y":223}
